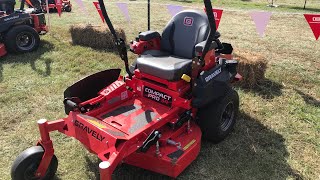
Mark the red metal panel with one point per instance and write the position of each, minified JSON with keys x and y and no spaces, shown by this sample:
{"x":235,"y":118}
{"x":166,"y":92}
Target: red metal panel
{"x":2,"y":50}
{"x":190,"y":143}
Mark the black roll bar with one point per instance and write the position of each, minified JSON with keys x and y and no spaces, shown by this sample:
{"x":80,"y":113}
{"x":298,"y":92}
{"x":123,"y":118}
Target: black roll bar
{"x":120,"y":44}
{"x":148,"y":15}
{"x":22,"y":5}
{"x":213,"y":27}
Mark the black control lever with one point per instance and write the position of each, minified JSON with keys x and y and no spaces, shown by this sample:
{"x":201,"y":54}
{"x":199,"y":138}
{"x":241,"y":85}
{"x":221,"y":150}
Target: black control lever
{"x":220,"y":45}
{"x":151,"y":140}
{"x":227,"y":49}
{"x":73,"y":104}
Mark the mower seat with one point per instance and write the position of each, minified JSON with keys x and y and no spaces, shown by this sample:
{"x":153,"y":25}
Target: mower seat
{"x":166,"y":67}
{"x":179,"y":38}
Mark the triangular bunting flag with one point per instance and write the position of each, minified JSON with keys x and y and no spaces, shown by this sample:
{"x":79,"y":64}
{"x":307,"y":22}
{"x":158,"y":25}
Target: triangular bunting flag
{"x":174,"y":9}
{"x":314,"y":23}
{"x":97,"y":5}
{"x":80,"y":3}
{"x":217,"y":16}
{"x":261,"y":20}
{"x":29,"y":3}
{"x":124,"y":9}
{"x":59,"y":6}
{"x":217,"y":13}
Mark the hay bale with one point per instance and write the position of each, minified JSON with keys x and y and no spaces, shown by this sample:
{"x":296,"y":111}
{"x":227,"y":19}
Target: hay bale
{"x":252,"y":67}
{"x":96,"y":37}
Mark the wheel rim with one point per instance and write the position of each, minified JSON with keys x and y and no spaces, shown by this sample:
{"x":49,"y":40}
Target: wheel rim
{"x":29,"y":174}
{"x":25,"y":41}
{"x":227,"y":117}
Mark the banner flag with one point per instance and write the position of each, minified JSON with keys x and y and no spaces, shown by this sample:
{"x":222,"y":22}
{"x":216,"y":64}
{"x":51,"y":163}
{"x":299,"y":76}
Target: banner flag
{"x":261,"y":20}
{"x":314,"y":23}
{"x":97,"y":5}
{"x":124,"y":9}
{"x":217,"y":16}
{"x":59,"y":7}
{"x":80,"y":3}
{"x":174,"y":9}
{"x":28,"y":2}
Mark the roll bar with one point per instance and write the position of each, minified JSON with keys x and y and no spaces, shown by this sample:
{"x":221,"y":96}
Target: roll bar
{"x":22,"y":5}
{"x":120,"y":44}
{"x":213,"y":27}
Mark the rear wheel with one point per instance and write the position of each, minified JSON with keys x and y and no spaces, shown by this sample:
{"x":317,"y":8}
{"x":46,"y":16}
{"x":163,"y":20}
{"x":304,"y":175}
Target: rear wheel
{"x":22,"y":39}
{"x":218,"y":118}
{"x":67,"y":9}
{"x":27,"y":163}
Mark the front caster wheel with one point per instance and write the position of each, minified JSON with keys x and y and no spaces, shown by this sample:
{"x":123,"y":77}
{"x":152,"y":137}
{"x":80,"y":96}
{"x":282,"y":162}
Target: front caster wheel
{"x":27,"y":163}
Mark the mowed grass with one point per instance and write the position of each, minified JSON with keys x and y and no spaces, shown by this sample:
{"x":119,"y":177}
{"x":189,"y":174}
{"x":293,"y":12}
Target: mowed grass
{"x":276,"y":136}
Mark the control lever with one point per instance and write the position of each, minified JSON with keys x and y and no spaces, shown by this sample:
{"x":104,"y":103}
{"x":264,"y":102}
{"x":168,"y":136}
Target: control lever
{"x":72,"y":103}
{"x":220,"y":45}
{"x":151,"y":140}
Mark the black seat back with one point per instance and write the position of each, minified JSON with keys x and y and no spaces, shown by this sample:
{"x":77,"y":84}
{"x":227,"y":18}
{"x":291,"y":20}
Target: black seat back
{"x":183,"y":32}
{"x":7,"y":6}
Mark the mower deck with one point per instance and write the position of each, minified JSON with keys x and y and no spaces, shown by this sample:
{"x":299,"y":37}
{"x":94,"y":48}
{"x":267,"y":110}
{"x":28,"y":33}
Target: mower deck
{"x":118,"y":129}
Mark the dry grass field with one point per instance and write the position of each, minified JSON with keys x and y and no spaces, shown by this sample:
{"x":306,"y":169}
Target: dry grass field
{"x":276,"y":137}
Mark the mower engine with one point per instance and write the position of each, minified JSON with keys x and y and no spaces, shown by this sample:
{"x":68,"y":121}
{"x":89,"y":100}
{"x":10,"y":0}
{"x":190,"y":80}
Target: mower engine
{"x":149,"y":40}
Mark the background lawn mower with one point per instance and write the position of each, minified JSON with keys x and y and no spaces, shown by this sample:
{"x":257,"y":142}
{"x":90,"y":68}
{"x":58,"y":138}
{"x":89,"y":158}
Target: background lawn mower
{"x":154,"y":118}
{"x":19,"y":30}
{"x":52,"y":5}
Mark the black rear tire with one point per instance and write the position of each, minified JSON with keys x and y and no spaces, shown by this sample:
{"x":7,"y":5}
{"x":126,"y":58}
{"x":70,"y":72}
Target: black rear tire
{"x":27,"y":163}
{"x":217,"y":120}
{"x":22,"y":39}
{"x":67,"y":9}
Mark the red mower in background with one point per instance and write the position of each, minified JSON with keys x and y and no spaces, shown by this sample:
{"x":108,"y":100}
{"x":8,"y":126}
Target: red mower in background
{"x":65,"y":4}
{"x":20,"y":30}
{"x":177,"y":92}
{"x":52,"y":5}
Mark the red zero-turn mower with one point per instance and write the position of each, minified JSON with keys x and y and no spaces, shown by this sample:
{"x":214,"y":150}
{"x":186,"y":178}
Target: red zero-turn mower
{"x":19,"y":31}
{"x":154,"y":117}
{"x":52,"y":5}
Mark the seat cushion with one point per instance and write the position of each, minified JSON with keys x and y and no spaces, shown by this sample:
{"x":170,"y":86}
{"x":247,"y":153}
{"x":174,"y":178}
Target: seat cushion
{"x":165,"y":67}
{"x":156,"y":53}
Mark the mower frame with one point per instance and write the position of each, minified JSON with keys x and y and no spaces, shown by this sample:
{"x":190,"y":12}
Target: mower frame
{"x":108,"y":151}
